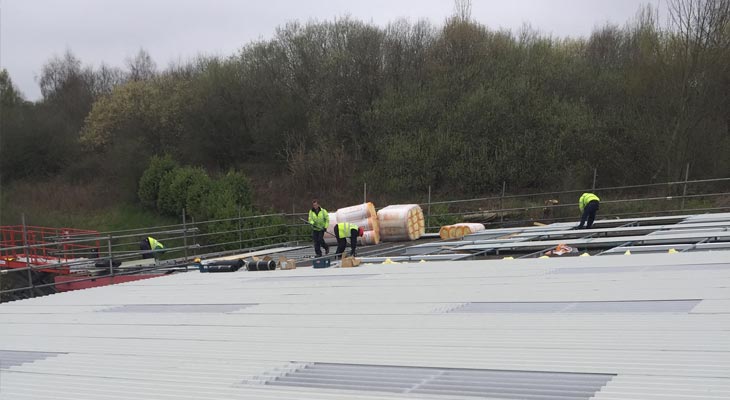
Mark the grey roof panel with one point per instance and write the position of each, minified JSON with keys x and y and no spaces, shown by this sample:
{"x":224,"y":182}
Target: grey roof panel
{"x":311,"y":278}
{"x":10,"y":358}
{"x":663,"y":248}
{"x":178,"y":308}
{"x":497,"y":384}
{"x":597,"y":242}
{"x":650,"y":268}
{"x":579,"y":307}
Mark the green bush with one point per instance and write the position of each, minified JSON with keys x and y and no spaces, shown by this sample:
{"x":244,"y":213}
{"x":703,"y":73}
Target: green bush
{"x":265,"y":227}
{"x":149,"y":184}
{"x":437,"y":218}
{"x":225,"y":200}
{"x":174,"y":188}
{"x":410,"y":162}
{"x":220,"y":202}
{"x":197,"y":195}
{"x":239,"y":186}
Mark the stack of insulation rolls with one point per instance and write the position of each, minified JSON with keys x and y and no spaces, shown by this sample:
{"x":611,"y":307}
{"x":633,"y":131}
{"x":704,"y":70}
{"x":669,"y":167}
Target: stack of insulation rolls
{"x":458,"y":231}
{"x":364,"y":216}
{"x":401,"y":222}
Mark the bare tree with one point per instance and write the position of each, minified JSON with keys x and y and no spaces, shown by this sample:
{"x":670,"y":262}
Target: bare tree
{"x":142,"y":67}
{"x":700,"y":41}
{"x":462,"y":10}
{"x":106,"y":78}
{"x":57,"y":72}
{"x":700,"y":23}
{"x":9,"y":94}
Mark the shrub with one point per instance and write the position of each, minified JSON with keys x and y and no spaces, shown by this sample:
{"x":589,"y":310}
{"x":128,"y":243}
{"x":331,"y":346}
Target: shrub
{"x":439,"y":217}
{"x":197,"y":194}
{"x":174,"y":188}
{"x":239,"y":187}
{"x":149,"y":184}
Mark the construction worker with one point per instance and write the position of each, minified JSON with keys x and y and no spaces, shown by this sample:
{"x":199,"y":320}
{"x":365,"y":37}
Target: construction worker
{"x":588,"y":204}
{"x":151,"y":247}
{"x":343,"y":230}
{"x":319,"y":219}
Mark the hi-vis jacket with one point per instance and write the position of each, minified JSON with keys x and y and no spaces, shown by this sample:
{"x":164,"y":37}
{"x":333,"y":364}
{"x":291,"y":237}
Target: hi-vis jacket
{"x":154,"y":244}
{"x":585,"y":199}
{"x":344,"y":229}
{"x":319,"y":220}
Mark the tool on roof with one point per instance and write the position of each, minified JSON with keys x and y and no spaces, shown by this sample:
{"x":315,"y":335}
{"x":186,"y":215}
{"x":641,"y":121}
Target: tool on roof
{"x":307,"y":222}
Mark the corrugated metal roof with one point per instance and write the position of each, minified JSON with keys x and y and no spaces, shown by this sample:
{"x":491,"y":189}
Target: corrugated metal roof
{"x":603,"y":241}
{"x":651,"y":234}
{"x":212,"y":336}
{"x":481,"y":383}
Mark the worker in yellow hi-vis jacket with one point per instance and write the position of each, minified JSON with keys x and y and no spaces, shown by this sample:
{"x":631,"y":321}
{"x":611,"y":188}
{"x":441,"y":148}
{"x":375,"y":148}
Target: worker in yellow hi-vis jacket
{"x":319,"y":219}
{"x":343,"y":230}
{"x":151,"y":247}
{"x":588,"y":205}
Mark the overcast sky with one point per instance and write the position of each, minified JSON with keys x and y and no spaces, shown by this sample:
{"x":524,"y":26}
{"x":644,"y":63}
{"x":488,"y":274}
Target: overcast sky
{"x":32,"y":31}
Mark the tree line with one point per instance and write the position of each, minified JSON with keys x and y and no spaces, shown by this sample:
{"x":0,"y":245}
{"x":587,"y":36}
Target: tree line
{"x":461,"y":107}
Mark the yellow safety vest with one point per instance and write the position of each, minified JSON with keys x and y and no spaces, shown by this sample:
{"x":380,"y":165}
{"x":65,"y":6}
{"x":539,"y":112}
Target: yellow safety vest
{"x":344,"y":229}
{"x":154,"y":244}
{"x":585,"y":199}
{"x":320,"y":220}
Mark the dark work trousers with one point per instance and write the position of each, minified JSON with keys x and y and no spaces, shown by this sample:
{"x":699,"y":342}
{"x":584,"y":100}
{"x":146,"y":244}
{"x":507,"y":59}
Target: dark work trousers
{"x":318,"y":239}
{"x":342,"y":242}
{"x":144,"y":245}
{"x":589,"y":214}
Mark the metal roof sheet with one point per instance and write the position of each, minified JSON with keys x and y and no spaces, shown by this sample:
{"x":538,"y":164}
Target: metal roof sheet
{"x":603,"y":241}
{"x":193,"y":335}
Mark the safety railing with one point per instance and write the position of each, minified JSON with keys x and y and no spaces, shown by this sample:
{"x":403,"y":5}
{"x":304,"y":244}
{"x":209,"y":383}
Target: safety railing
{"x":89,"y":255}
{"x":695,"y":196}
{"x":101,"y":254}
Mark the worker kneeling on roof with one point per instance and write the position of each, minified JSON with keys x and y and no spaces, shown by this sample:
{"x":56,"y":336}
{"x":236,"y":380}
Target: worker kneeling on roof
{"x":343,"y":230}
{"x":151,"y":247}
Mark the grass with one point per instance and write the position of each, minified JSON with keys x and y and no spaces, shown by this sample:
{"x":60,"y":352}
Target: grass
{"x":100,"y":206}
{"x":112,"y":219}
{"x":60,"y":204}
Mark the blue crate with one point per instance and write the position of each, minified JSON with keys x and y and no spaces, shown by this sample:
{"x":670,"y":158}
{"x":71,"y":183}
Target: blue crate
{"x":321,"y":263}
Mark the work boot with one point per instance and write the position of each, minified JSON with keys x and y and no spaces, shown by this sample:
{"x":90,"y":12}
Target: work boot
{"x":326,"y":250}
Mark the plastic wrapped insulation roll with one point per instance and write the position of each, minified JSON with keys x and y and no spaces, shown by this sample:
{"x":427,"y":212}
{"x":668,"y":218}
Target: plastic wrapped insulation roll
{"x":400,"y":222}
{"x":369,"y":238}
{"x":356,"y":213}
{"x":459,"y":230}
{"x":363,"y":215}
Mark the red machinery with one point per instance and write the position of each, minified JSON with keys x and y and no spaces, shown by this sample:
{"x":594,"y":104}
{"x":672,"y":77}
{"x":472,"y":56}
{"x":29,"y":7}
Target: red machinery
{"x":45,"y":246}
